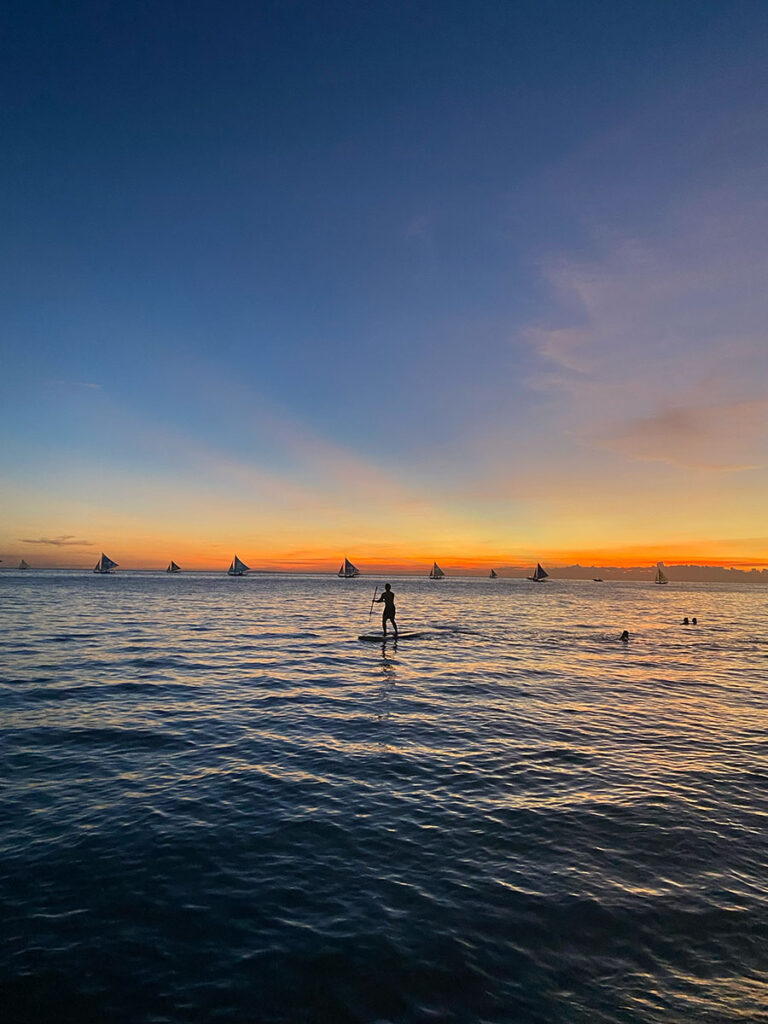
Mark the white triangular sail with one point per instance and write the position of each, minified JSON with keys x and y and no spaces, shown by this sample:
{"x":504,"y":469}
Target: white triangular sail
{"x":105,"y":564}
{"x":173,"y":567}
{"x":238,"y":567}
{"x":660,"y":577}
{"x":436,"y":572}
{"x":348,"y":570}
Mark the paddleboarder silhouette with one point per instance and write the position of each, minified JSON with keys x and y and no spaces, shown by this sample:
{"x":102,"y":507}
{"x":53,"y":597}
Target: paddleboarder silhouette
{"x":388,"y":615}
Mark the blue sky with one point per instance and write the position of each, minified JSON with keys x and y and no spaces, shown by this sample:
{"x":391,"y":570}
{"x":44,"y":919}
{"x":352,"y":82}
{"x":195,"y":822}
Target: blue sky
{"x":497,"y":268}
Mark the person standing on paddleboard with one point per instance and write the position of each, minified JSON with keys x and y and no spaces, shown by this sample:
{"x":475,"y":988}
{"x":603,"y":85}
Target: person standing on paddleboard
{"x":388,"y":615}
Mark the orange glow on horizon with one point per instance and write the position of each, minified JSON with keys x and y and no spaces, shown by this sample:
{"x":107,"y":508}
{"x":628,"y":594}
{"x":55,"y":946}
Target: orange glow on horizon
{"x":157,"y":554}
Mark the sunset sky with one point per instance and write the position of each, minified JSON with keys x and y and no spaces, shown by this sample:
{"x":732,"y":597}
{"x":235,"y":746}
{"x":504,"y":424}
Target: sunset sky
{"x":477,"y":282}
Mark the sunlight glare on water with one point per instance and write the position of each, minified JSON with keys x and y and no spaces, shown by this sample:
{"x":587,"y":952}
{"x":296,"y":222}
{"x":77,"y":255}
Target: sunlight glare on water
{"x":220,"y":805}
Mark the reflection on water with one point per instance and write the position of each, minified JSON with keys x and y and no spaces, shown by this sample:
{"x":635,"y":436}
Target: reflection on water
{"x":388,"y":677}
{"x":220,"y":807}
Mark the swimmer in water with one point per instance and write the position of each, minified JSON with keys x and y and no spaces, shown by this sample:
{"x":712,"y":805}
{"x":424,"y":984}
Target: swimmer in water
{"x":625,"y":637}
{"x":388,"y":615}
{"x":685,"y":621}
{"x":694,"y":621}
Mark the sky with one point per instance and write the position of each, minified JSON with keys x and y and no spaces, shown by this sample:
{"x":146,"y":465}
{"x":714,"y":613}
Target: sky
{"x":476,"y":282}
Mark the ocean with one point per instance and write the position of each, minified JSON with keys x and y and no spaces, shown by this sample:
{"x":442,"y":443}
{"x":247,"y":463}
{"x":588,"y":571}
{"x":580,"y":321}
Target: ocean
{"x":218,"y":805}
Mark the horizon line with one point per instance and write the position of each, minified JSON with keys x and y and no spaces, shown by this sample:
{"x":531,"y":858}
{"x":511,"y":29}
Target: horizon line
{"x":467,"y":572}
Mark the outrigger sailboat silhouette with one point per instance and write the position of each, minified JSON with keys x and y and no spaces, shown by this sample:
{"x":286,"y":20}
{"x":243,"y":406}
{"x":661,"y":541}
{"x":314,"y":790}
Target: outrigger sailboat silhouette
{"x":539,"y":574}
{"x":105,"y":565}
{"x":23,"y":565}
{"x":237,"y":568}
{"x":347,"y":570}
{"x":493,"y":575}
{"x":660,"y":579}
{"x":436,"y":573}
{"x":173,"y":567}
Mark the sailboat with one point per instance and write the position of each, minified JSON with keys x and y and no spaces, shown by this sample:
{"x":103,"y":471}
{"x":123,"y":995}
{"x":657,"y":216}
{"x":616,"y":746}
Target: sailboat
{"x":660,"y":579}
{"x":539,"y":574}
{"x":105,"y":564}
{"x":347,"y":570}
{"x":23,"y":565}
{"x":237,"y":568}
{"x":436,"y":572}
{"x":173,"y":567}
{"x":493,"y":575}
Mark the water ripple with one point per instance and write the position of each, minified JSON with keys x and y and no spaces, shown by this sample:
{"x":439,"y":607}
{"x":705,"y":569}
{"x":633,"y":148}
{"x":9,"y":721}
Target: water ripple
{"x":218,"y":805}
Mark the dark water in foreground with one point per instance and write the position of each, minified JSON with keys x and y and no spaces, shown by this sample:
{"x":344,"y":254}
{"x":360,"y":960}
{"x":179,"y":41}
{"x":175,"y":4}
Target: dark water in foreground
{"x":218,"y":806}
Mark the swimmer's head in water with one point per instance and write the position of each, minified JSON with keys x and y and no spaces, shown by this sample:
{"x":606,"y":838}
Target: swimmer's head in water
{"x":685,"y":621}
{"x":694,"y":621}
{"x":624,"y":636}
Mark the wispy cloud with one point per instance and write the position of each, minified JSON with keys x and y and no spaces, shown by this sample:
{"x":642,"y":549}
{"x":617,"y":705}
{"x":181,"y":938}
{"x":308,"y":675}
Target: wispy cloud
{"x":417,"y":227}
{"x":64,"y":540}
{"x":664,"y":355}
{"x":698,"y":437}
{"x":656,"y":346}
{"x":85,"y":384}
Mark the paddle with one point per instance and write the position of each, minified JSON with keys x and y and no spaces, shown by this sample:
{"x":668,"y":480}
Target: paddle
{"x":370,"y":613}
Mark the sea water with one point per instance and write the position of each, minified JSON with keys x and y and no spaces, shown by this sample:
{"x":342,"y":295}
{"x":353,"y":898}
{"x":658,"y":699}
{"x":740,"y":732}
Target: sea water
{"x":219,"y":805}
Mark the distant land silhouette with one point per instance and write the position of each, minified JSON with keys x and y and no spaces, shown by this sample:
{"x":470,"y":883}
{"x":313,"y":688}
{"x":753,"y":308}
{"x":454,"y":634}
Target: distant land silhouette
{"x":683,"y":573}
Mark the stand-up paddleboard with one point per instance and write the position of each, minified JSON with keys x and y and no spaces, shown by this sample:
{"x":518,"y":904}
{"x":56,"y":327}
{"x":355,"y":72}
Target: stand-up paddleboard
{"x":377,"y":638}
